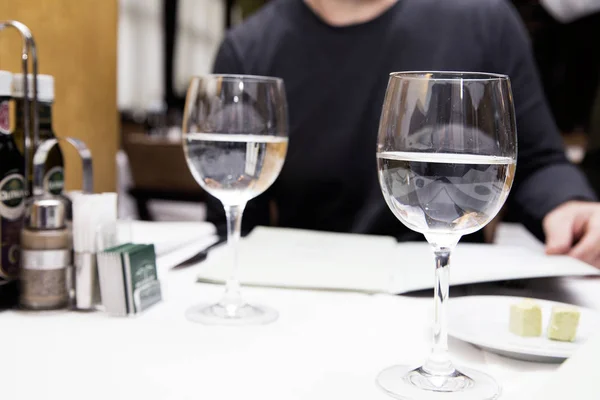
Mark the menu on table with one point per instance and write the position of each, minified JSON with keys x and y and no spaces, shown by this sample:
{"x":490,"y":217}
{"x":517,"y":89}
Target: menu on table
{"x":291,"y":258}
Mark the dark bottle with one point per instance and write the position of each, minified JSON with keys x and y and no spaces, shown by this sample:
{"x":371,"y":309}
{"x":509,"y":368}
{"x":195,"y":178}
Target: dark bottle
{"x":54,"y":178}
{"x":12,"y":200}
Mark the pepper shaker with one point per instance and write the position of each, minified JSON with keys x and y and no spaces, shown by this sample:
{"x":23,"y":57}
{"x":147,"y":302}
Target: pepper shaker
{"x":46,"y":255}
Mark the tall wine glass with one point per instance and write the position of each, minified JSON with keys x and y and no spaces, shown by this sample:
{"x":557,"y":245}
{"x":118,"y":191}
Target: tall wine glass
{"x":446,"y":157}
{"x":235,"y":130}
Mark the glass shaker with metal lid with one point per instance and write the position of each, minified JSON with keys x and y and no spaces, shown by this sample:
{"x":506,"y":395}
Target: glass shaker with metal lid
{"x":46,"y":255}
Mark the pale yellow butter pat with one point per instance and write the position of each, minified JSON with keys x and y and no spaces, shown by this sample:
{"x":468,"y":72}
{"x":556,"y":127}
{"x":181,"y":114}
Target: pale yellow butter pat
{"x":526,"y":319}
{"x":563,"y":323}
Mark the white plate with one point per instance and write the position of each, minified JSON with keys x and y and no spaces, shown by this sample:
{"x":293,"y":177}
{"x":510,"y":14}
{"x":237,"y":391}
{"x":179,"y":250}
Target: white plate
{"x":483,"y":322}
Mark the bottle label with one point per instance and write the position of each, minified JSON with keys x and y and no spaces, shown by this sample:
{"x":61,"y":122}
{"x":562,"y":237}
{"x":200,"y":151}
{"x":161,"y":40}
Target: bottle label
{"x":12,"y":206}
{"x":12,"y":197}
{"x":4,"y":117}
{"x":54,"y":181}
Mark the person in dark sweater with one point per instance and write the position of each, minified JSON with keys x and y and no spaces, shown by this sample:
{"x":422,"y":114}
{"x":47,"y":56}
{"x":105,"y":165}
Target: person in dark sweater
{"x":335,"y":57}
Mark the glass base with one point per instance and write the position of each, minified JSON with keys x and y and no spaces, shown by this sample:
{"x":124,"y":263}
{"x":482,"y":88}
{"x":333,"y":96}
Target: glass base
{"x":404,"y":382}
{"x":219,"y":314}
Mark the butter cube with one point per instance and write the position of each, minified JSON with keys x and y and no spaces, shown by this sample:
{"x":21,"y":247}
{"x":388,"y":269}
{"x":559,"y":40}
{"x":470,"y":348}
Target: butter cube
{"x":563,"y":323}
{"x":526,"y":319}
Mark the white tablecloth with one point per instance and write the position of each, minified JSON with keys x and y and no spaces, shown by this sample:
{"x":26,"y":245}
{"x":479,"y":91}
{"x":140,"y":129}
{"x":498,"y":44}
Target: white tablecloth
{"x":324,"y":346}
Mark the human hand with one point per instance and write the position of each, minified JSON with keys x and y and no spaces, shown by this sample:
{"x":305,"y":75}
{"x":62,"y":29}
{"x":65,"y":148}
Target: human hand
{"x":573,"y":228}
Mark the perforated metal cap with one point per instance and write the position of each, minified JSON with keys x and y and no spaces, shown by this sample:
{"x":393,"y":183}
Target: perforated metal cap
{"x":46,"y":213}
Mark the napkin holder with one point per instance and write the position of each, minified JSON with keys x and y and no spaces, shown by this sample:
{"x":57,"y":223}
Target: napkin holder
{"x":129,"y":279}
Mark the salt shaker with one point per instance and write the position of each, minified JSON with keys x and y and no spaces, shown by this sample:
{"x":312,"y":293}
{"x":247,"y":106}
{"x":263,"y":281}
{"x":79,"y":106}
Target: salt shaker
{"x":46,"y":255}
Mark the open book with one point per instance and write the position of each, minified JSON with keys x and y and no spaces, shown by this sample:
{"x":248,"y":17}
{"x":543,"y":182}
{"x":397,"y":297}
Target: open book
{"x":290,"y":258}
{"x":174,"y":242}
{"x":166,"y":236}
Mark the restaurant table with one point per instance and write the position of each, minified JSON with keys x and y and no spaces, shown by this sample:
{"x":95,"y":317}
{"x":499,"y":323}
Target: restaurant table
{"x":325,"y":345}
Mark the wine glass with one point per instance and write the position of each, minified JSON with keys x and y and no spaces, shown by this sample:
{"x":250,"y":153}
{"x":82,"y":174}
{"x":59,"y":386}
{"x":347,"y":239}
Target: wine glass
{"x":235,"y":130}
{"x":446,"y":158}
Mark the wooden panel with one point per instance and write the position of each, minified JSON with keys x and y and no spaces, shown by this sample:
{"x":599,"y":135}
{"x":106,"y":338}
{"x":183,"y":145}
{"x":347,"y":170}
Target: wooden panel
{"x":77,"y":43}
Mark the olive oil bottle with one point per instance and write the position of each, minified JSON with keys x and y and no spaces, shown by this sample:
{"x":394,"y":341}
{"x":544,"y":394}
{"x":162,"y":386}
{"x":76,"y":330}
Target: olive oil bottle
{"x":12,"y":199}
{"x":54,"y":177}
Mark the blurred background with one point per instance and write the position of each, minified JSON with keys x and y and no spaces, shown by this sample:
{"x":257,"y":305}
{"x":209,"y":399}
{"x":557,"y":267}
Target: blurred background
{"x":122,"y":69}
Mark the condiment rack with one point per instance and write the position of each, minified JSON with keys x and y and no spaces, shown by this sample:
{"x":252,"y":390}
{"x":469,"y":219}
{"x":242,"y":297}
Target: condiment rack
{"x":28,"y":52}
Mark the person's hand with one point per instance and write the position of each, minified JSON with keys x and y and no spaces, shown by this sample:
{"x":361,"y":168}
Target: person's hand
{"x":573,"y":228}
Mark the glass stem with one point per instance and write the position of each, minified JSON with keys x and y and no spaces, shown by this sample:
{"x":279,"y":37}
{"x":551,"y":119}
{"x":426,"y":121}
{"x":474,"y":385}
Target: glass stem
{"x":232,"y":299}
{"x":439,"y":363}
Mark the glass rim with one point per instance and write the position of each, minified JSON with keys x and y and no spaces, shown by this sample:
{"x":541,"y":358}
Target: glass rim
{"x":240,"y":77}
{"x":472,"y":76}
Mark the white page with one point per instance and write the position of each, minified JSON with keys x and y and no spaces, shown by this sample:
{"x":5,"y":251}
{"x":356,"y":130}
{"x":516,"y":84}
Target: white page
{"x":166,"y":261}
{"x":306,"y":259}
{"x":476,"y":263}
{"x":513,"y":234}
{"x":292,"y":258}
{"x":166,"y":236}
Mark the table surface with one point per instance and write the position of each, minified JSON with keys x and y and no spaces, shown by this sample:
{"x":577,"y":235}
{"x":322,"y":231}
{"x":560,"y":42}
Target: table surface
{"x":325,"y":345}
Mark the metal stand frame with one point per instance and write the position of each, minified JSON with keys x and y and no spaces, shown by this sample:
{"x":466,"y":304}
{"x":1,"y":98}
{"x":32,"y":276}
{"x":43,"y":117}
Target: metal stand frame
{"x":28,"y":51}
